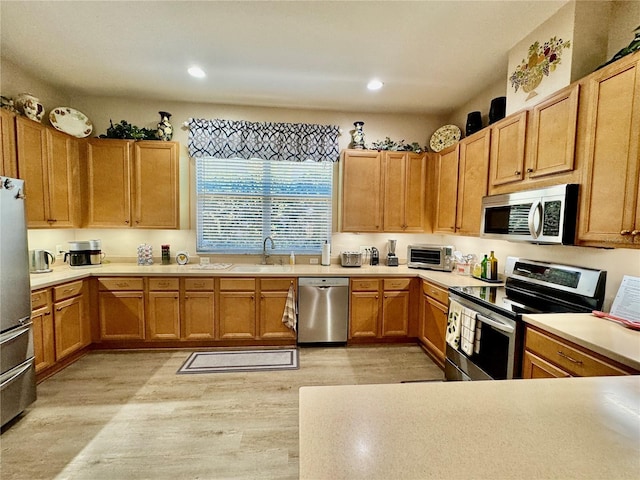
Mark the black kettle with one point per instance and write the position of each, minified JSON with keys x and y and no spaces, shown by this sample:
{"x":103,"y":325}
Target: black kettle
{"x":375,"y":256}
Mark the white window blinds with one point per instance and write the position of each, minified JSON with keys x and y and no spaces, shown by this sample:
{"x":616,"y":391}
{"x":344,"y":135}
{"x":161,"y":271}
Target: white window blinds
{"x":241,"y":202}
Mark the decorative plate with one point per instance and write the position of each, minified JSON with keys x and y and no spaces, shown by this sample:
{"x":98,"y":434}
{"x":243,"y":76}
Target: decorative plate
{"x":444,"y":137}
{"x":182,"y":258}
{"x":71,"y":121}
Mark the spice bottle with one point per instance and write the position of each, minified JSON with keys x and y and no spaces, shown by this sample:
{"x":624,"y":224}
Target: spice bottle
{"x":483,"y":267}
{"x":492,"y":268}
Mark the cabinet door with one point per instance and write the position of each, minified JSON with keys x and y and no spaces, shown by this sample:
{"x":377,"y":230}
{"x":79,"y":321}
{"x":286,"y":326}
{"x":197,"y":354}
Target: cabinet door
{"x":8,"y":161}
{"x":62,"y":179}
{"x":362,"y":181}
{"x":415,"y":194}
{"x":365,"y":310}
{"x":553,"y":134}
{"x":68,"y":318}
{"x":271,"y":309}
{"x":237,"y":315}
{"x":43,"y":338}
{"x":472,"y":182}
{"x":163,"y":316}
{"x":34,"y":170}
{"x":109,"y":191}
{"x":535,"y":367}
{"x":394,"y":201}
{"x":447,"y":191}
{"x":609,"y":211}
{"x":507,"y":149}
{"x":121,"y":315}
{"x":199,"y":316}
{"x":395,"y":314}
{"x":155,"y":191}
{"x":433,"y":326}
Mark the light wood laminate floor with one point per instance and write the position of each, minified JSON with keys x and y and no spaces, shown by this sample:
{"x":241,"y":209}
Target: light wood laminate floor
{"x":127,"y":415}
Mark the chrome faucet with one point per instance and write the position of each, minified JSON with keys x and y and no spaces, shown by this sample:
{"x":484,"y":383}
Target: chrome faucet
{"x":264,"y":249}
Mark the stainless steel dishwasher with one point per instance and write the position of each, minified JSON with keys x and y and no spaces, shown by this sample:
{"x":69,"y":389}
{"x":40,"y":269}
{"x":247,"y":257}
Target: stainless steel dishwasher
{"x":323,"y":310}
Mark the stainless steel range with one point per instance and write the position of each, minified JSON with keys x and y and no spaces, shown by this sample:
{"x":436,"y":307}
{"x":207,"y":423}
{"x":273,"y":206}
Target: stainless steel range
{"x":485,"y":327}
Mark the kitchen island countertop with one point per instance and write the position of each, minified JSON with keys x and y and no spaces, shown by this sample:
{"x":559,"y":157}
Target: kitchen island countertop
{"x":587,"y":428}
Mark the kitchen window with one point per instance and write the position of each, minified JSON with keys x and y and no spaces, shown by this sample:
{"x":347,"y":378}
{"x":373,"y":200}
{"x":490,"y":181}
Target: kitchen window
{"x":241,"y":202}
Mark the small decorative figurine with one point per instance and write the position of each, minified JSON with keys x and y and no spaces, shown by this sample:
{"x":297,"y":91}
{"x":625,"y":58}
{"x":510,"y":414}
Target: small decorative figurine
{"x":165,"y":130}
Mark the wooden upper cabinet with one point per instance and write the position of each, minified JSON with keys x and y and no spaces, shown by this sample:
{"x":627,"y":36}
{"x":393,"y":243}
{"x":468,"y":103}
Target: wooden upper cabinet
{"x":472,"y":181}
{"x":156,"y":185}
{"x":132,"y":184}
{"x":108,"y":183}
{"x":404,"y":191}
{"x":447,"y":190}
{"x":552,"y":139}
{"x":507,"y":149}
{"x":48,"y":162}
{"x":610,"y":203}
{"x":8,"y":161}
{"x":362,"y":191}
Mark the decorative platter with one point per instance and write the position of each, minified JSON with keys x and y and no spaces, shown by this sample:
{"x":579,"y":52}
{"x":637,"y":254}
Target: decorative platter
{"x":71,"y":121}
{"x":444,"y":137}
{"x":182,"y":258}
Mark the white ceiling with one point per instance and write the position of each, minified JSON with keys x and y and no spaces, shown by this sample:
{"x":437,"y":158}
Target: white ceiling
{"x":432,"y":56}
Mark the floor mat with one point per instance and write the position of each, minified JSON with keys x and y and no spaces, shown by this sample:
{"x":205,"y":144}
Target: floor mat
{"x":241,"y":361}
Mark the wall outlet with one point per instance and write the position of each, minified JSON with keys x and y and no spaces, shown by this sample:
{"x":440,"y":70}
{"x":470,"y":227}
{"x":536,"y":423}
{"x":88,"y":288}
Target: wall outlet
{"x":59,"y":250}
{"x":313,"y":261}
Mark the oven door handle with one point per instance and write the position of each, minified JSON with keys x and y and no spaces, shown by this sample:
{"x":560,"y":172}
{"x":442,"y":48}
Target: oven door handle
{"x":495,"y":323}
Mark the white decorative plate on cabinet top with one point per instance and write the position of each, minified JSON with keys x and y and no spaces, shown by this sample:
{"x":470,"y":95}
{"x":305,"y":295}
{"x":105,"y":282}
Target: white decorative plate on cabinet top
{"x":444,"y":137}
{"x":71,"y":121}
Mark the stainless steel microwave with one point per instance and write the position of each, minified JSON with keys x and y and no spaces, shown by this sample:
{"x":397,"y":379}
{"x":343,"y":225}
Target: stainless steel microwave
{"x":432,"y":257}
{"x":547,"y":215}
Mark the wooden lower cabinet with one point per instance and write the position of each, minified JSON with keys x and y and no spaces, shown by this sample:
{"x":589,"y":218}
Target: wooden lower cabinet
{"x":68,"y":317}
{"x":199,"y":313}
{"x":273,"y":298}
{"x":43,"y":336}
{"x":547,"y":355}
{"x":379,"y":308}
{"x":121,"y":308}
{"x":237,"y":309}
{"x":162,"y":317}
{"x":433,"y":321}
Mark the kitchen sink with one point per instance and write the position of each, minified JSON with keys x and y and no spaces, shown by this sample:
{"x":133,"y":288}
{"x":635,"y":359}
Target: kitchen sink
{"x":260,"y":268}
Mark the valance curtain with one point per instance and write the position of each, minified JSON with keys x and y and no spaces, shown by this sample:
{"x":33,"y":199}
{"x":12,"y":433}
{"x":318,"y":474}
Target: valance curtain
{"x":294,"y":142}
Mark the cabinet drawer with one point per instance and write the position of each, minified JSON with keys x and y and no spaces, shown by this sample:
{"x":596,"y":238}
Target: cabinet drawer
{"x":276,"y":284}
{"x":164,"y":284}
{"x":120,"y":283}
{"x":365,"y":285}
{"x":238,"y":284}
{"x":67,"y":290}
{"x":204,"y":284}
{"x":40,"y":298}
{"x":433,"y":291}
{"x":567,"y":357}
{"x":397,"y":283}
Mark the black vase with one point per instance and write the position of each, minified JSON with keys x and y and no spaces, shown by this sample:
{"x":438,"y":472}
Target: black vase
{"x":474,"y":123}
{"x":497,"y":109}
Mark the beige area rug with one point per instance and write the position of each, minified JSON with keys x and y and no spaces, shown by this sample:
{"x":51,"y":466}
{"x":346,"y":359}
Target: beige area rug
{"x":241,"y":361}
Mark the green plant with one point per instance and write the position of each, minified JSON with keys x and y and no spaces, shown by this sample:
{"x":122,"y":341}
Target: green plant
{"x":125,"y":130}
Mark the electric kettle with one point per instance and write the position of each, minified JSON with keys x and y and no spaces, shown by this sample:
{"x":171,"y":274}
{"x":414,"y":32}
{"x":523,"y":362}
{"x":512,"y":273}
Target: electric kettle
{"x":39,"y":261}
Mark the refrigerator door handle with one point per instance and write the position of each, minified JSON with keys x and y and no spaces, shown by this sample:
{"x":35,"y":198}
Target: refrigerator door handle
{"x":16,"y":332}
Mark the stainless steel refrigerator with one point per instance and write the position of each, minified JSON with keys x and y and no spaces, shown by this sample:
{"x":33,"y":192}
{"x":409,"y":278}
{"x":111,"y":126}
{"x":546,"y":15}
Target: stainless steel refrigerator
{"x":17,"y":364}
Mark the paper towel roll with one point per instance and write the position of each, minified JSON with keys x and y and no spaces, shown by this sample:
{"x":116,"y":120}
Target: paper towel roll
{"x":326,"y":254}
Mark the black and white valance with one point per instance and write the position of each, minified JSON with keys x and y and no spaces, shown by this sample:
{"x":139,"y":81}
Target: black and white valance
{"x":294,"y":142}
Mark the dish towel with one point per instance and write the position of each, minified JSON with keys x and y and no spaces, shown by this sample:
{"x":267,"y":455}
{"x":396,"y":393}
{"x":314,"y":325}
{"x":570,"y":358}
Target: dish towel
{"x":468,"y":330}
{"x":290,"y":315}
{"x":453,"y":324}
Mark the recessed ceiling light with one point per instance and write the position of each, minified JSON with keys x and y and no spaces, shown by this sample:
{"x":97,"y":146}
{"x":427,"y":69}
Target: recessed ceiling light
{"x":196,"y":72}
{"x":375,"y":85}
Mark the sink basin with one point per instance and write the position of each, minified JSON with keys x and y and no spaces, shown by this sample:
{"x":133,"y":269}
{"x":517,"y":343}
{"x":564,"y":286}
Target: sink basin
{"x":260,"y":268}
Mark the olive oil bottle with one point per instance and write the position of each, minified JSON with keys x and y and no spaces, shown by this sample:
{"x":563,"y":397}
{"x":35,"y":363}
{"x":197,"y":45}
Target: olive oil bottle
{"x":492,"y":268}
{"x":484,"y":265}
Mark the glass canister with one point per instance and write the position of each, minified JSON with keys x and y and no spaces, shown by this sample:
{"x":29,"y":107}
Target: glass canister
{"x":166,"y":255}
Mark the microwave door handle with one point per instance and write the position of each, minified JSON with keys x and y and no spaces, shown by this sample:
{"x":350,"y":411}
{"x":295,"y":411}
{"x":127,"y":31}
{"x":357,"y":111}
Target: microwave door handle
{"x":495,"y":323}
{"x":535,"y":213}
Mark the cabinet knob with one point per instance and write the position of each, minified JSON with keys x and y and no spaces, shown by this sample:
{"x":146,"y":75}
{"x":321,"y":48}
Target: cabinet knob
{"x":47,"y":313}
{"x":529,"y":170}
{"x":186,"y":297}
{"x":377,"y":297}
{"x":59,"y":309}
{"x":126,"y":221}
{"x":625,"y":232}
{"x":635,"y":232}
{"x":517,"y":172}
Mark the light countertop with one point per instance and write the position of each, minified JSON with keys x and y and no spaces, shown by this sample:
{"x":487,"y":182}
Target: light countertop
{"x":65,"y":273}
{"x":587,"y":428}
{"x":602,"y":336}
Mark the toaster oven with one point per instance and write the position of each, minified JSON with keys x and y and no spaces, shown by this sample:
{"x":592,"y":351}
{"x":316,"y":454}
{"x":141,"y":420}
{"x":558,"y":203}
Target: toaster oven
{"x":431,"y":257}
